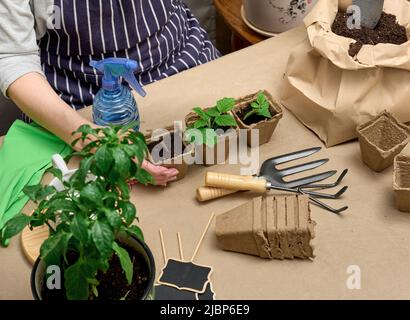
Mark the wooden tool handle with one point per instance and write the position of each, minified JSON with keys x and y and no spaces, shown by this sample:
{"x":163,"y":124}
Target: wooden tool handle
{"x":235,"y":182}
{"x":209,"y":193}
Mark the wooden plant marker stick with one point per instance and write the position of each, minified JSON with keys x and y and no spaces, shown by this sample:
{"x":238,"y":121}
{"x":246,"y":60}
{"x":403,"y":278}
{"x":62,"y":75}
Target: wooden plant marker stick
{"x":164,"y":253}
{"x":202,"y":237}
{"x":181,"y":253}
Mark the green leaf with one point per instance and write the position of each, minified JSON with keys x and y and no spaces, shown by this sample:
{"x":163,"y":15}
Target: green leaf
{"x":209,"y":137}
{"x":255,"y":105}
{"x":129,"y":212}
{"x":200,"y":124}
{"x":91,"y":194}
{"x":14,"y":226}
{"x":79,"y":228}
{"x":113,"y":218}
{"x":213,"y":112}
{"x":225,"y":120}
{"x":85,"y":128}
{"x":60,"y":205}
{"x":264,"y":112}
{"x":56,"y":173}
{"x":137,"y":138}
{"x":144,"y":177}
{"x":136,"y":150}
{"x":103,"y":159}
{"x":205,"y":136}
{"x":103,"y":237}
{"x":136,"y":232}
{"x":129,"y":126}
{"x":55,"y":247}
{"x":38,"y":192}
{"x":131,"y":149}
{"x":76,"y":285}
{"x":79,"y":177}
{"x":124,"y":188}
{"x":201,"y":113}
{"x":125,"y":261}
{"x":122,"y":162}
{"x":226,"y":104}
{"x":260,"y":98}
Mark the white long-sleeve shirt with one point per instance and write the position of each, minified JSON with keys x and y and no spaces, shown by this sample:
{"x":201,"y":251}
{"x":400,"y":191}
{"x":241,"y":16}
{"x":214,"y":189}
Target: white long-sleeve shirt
{"x":22,"y":23}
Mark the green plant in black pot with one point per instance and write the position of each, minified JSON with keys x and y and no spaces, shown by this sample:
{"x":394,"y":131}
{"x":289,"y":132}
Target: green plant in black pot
{"x":92,"y":239}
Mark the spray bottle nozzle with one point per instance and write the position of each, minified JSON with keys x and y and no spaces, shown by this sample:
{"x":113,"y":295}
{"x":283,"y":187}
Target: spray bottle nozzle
{"x":113,"y":69}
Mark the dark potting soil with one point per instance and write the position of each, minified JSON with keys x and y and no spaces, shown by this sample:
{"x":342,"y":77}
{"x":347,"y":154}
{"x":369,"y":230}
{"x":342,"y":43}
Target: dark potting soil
{"x":113,"y":284}
{"x":388,"y":30}
{"x":176,"y":139}
{"x":255,"y":118}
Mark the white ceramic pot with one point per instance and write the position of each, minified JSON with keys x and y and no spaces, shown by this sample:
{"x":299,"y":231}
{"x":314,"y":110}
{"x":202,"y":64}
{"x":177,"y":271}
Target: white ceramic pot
{"x":277,"y":16}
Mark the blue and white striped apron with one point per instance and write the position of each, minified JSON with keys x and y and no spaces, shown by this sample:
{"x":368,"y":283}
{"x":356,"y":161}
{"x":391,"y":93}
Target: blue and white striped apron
{"x":161,"y":34}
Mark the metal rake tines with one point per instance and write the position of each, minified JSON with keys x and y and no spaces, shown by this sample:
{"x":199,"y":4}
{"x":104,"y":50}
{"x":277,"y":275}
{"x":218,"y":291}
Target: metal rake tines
{"x":276,"y":176}
{"x":324,"y":205}
{"x":336,"y":195}
{"x":328,"y":185}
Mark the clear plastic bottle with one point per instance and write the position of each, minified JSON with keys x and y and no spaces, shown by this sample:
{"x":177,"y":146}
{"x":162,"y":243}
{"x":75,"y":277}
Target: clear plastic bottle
{"x":114,"y":103}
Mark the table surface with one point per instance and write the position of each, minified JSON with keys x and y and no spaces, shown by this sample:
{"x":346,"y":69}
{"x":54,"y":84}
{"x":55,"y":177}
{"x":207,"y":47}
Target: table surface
{"x":372,"y":235}
{"x":230,"y":10}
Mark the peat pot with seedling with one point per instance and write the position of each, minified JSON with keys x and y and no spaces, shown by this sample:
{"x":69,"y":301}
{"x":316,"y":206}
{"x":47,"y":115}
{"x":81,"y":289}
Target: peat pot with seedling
{"x":212,"y":130}
{"x":93,"y":242}
{"x":259,"y":114}
{"x":167,"y":148}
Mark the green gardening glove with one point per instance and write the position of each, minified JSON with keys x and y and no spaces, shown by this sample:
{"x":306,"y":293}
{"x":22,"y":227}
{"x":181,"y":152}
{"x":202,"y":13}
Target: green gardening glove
{"x":24,"y":157}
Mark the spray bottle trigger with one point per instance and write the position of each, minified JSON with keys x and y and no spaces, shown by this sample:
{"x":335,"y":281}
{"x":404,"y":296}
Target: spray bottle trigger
{"x":132,"y":81}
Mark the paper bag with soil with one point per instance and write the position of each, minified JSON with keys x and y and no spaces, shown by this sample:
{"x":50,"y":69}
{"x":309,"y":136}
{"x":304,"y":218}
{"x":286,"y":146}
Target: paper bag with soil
{"x":332,"y":92}
{"x":271,"y":227}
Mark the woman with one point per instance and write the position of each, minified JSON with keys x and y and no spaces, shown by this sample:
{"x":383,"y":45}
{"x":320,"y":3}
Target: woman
{"x":46,"y":47}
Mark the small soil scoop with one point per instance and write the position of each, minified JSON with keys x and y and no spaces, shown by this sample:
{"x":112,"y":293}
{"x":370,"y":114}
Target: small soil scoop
{"x":263,"y":126}
{"x":381,"y":139}
{"x":401,"y":182}
{"x":370,"y":11}
{"x":270,"y":227}
{"x":168,"y":149}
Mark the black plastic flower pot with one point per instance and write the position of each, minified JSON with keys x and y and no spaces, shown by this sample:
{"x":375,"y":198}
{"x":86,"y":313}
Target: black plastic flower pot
{"x":38,"y":271}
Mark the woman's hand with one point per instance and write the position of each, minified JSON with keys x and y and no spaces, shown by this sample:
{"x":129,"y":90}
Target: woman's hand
{"x":160,"y":174}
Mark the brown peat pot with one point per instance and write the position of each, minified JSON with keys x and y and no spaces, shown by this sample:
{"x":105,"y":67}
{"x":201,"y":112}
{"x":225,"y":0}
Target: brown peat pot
{"x":217,"y":154}
{"x":401,"y":182}
{"x":381,"y":139}
{"x":264,"y":127}
{"x":270,"y":227}
{"x":170,"y":140}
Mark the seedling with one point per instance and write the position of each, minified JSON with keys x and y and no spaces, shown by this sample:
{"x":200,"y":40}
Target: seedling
{"x":212,"y":119}
{"x":260,"y":107}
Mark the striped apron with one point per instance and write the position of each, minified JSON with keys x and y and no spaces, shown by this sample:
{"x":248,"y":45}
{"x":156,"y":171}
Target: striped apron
{"x":162,"y":35}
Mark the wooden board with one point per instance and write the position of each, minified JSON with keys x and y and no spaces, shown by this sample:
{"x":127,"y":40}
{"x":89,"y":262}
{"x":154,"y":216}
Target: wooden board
{"x":31,"y":241}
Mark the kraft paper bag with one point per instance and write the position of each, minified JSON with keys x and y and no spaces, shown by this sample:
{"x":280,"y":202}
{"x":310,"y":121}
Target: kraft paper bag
{"x":331,"y":92}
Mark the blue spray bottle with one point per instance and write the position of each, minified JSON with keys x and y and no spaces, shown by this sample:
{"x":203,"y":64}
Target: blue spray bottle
{"x":114,"y":104}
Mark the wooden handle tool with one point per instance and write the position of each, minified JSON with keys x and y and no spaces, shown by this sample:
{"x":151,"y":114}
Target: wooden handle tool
{"x":235,"y":182}
{"x":208,"y":193}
